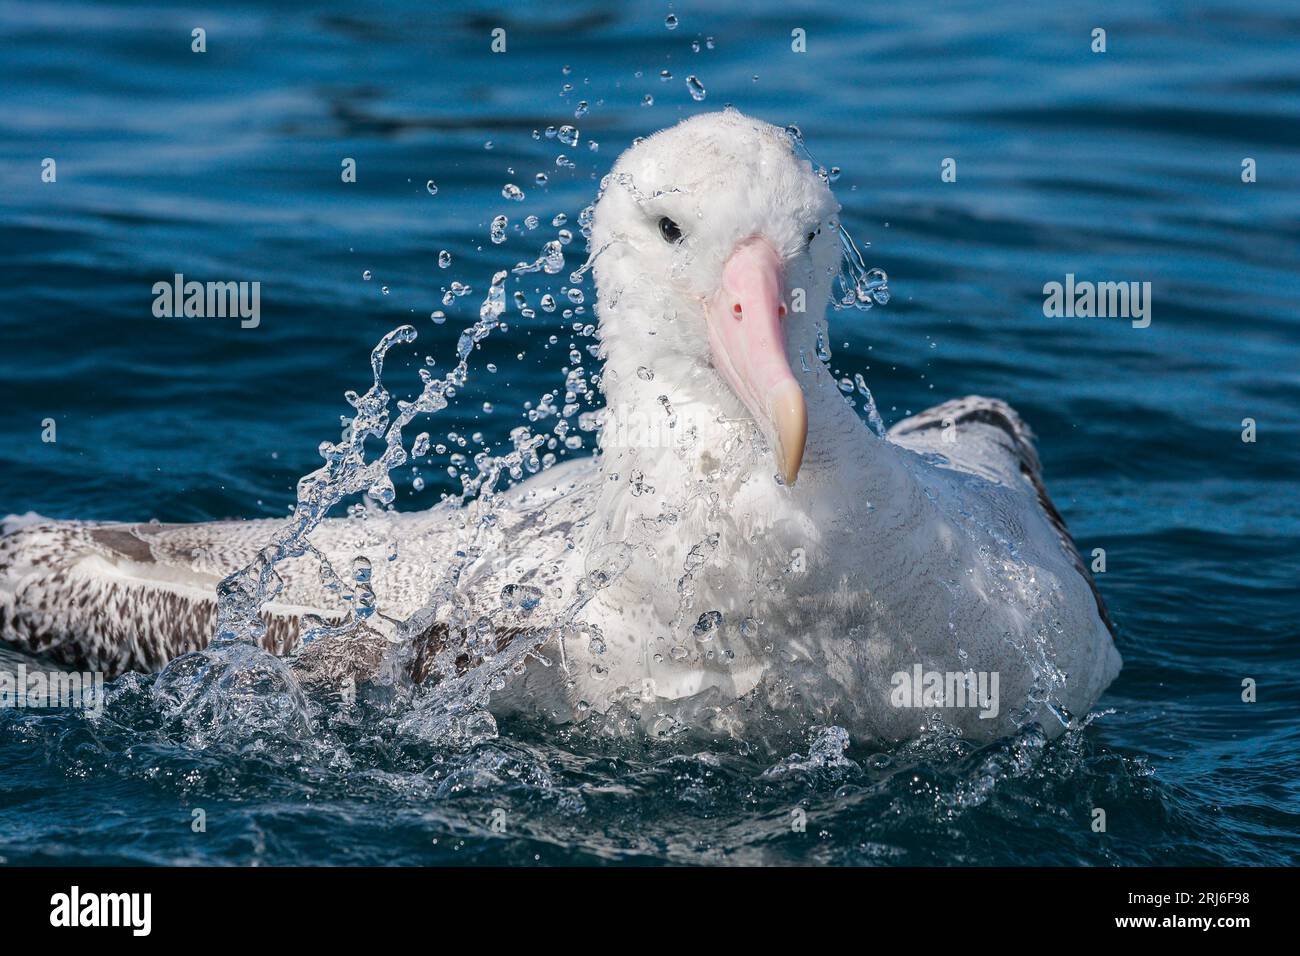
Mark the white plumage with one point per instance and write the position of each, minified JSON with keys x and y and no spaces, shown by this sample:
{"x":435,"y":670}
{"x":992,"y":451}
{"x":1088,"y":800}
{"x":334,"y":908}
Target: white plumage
{"x":716,"y":590}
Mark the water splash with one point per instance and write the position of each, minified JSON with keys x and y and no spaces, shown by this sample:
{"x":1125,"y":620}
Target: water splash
{"x":856,"y":286}
{"x":234,"y":685}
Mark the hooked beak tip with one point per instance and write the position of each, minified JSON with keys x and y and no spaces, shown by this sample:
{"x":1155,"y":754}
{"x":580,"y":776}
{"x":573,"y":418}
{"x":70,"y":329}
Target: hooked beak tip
{"x":789,"y":417}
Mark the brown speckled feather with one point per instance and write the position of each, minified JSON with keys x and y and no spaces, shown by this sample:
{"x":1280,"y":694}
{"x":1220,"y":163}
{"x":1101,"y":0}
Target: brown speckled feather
{"x":118,"y":597}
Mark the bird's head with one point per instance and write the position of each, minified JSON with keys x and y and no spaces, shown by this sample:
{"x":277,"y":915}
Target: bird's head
{"x":714,"y":250}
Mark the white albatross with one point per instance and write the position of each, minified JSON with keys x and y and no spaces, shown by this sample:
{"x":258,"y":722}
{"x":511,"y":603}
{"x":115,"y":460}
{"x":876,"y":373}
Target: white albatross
{"x":743,"y":545}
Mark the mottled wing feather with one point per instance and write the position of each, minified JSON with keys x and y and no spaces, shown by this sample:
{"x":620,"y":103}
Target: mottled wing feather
{"x":101,"y":597}
{"x":117,"y":597}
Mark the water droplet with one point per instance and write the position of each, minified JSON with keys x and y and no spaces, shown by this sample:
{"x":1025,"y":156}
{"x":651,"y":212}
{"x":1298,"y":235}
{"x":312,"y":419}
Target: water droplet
{"x":707,"y":627}
{"x":666,"y":726}
{"x":444,"y":259}
{"x":498,"y":231}
{"x":696,"y":87}
{"x":647,"y":100}
{"x":438,"y":317}
{"x":512,"y":192}
{"x":366,"y":275}
{"x":432,"y":187}
{"x":645,"y":374}
{"x":670,"y":21}
{"x":523,"y":598}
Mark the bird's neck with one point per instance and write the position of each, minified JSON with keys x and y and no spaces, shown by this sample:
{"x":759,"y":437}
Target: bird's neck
{"x":688,"y":490}
{"x":678,"y":433}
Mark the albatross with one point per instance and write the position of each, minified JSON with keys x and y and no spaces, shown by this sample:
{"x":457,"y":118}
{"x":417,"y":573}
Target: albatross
{"x":742,"y":548}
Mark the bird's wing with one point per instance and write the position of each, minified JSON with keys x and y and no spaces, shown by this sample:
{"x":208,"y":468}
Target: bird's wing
{"x":540,"y":523}
{"x":986,"y":437}
{"x":527,"y":559}
{"x":116,"y":597}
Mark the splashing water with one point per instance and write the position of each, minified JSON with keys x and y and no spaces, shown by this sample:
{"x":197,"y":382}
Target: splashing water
{"x":453,"y":705}
{"x":234,"y":679}
{"x":234,"y":690}
{"x":857,"y":287}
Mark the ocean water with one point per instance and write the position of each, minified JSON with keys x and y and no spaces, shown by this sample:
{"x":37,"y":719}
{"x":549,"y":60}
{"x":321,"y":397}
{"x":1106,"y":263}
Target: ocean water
{"x":1124,"y":165}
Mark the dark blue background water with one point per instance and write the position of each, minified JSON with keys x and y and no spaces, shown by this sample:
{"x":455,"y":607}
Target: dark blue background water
{"x":225,"y":165}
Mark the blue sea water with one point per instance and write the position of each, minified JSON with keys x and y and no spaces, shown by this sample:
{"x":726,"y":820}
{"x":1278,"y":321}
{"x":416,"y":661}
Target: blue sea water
{"x":1124,"y":165}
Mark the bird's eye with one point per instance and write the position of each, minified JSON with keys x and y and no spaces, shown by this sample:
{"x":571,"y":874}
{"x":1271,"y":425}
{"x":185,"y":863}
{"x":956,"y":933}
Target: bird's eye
{"x":813,"y":235}
{"x":671,"y":232}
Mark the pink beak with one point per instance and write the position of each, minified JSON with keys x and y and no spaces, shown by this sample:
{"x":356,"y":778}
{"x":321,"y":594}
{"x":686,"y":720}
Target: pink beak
{"x":748,"y":344}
